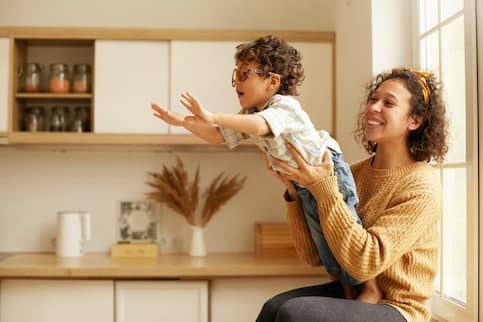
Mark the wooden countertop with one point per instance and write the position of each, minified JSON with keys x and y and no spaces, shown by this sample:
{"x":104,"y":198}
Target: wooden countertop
{"x":167,"y":266}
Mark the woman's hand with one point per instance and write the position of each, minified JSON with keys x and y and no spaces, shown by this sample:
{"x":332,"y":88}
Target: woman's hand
{"x":195,"y":107}
{"x":166,"y":115}
{"x":305,"y":174}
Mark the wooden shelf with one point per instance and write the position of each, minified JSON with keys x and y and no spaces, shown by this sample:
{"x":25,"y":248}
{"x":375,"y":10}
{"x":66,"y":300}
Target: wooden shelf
{"x":73,"y":96}
{"x":101,"y":138}
{"x":71,"y":138}
{"x":70,"y":34}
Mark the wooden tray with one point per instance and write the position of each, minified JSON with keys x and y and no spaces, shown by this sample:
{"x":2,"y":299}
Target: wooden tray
{"x":273,"y":239}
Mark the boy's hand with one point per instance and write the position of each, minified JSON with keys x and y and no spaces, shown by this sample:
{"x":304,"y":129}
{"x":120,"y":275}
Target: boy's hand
{"x":195,"y":107}
{"x":166,"y":115}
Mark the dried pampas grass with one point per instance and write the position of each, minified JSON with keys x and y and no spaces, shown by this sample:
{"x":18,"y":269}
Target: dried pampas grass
{"x":174,"y":190}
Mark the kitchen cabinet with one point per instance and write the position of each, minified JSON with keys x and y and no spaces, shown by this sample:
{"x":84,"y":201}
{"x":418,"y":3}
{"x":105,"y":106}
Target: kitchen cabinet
{"x":172,"y":287}
{"x":204,"y":69}
{"x":159,"y":301}
{"x":316,"y":91}
{"x":129,"y":76}
{"x":133,"y":67}
{"x":56,"y":301}
{"x":4,"y":84}
{"x":105,"y":300}
{"x":44,"y":52}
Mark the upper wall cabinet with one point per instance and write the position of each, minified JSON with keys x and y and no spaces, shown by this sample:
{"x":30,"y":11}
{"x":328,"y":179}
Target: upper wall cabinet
{"x":129,"y":69}
{"x":47,"y":98}
{"x":129,"y":76}
{"x":316,"y":91}
{"x":204,"y":69}
{"x":4,"y":84}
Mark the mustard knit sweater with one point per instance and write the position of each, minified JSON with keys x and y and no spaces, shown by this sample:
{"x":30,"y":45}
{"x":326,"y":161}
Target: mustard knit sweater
{"x":398,"y":241}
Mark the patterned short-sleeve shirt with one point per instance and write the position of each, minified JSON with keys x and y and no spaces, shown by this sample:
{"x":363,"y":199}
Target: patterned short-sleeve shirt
{"x":288,"y":123}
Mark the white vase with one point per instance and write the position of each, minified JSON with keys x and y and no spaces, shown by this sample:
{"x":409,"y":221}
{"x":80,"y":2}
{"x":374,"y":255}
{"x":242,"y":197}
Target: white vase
{"x":197,"y":247}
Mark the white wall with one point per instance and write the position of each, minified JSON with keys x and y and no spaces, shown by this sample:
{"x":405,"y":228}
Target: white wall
{"x":36,"y":183}
{"x":354,"y":68}
{"x":206,"y":14}
{"x":372,"y":36}
{"x":391,"y":34}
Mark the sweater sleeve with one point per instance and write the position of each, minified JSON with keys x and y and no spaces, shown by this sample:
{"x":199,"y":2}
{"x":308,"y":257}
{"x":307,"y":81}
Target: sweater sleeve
{"x":365,"y":253}
{"x":297,"y":226}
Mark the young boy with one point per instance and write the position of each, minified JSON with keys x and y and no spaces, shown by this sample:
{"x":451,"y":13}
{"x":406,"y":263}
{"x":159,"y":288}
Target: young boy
{"x":265,"y":78}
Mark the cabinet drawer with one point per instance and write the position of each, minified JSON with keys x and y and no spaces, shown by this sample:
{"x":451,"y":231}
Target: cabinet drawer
{"x":163,"y":301}
{"x":56,"y":301}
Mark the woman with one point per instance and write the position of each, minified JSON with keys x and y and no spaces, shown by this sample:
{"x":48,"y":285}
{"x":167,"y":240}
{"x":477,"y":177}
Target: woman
{"x":404,"y":127}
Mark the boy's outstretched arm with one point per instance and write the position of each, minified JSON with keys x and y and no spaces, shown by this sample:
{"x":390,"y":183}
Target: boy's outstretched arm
{"x":205,"y":131}
{"x":172,"y":118}
{"x":246,"y":123}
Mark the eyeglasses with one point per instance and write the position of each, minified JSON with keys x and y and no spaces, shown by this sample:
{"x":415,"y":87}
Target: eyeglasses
{"x":240,"y":76}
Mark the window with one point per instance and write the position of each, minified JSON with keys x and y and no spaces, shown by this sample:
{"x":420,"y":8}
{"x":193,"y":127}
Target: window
{"x":447,"y":47}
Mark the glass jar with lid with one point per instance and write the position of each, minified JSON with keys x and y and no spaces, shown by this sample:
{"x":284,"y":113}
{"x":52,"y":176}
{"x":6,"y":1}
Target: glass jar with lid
{"x":29,"y":77}
{"x":34,"y":119}
{"x":81,"y":82}
{"x":57,"y":120}
{"x":59,"y":80}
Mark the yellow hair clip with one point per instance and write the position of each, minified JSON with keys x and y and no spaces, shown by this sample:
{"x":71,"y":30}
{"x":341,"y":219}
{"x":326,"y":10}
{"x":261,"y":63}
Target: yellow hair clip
{"x":421,"y":76}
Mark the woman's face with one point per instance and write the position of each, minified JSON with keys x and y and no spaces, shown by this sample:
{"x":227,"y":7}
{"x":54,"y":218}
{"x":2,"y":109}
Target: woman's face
{"x":387,"y":114}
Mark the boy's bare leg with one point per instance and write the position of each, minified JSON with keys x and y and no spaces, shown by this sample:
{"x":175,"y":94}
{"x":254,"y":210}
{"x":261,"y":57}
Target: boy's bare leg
{"x":348,"y":290}
{"x":370,"y":293}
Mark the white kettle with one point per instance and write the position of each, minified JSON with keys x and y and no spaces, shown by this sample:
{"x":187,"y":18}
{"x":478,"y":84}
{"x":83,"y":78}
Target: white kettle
{"x":73,"y":230}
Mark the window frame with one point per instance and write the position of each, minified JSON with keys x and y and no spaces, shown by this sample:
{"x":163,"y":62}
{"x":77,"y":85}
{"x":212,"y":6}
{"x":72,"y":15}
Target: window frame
{"x":443,"y":308}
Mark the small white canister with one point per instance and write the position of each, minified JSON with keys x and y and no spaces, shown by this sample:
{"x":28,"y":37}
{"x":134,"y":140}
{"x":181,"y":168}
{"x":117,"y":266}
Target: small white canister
{"x":73,"y":230}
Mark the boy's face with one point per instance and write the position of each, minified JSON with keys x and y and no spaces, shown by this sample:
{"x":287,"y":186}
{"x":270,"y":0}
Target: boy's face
{"x":252,"y":85}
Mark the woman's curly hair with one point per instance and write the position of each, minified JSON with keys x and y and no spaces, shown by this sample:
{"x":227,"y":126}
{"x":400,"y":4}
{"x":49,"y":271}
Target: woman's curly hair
{"x":274,"y":55}
{"x":429,"y":141}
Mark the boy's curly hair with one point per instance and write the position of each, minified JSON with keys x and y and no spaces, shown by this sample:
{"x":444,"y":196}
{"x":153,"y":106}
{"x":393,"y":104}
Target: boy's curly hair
{"x":429,"y":141}
{"x":274,"y":55}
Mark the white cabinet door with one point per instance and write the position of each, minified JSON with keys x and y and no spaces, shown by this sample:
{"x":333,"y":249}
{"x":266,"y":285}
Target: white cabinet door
{"x":162,"y":301}
{"x":129,"y":75}
{"x":56,"y":301}
{"x":4,"y":83}
{"x":204,"y":69}
{"x":316,"y":90}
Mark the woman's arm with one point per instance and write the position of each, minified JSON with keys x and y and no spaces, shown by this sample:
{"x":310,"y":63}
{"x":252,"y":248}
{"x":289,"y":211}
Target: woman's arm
{"x":365,"y":253}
